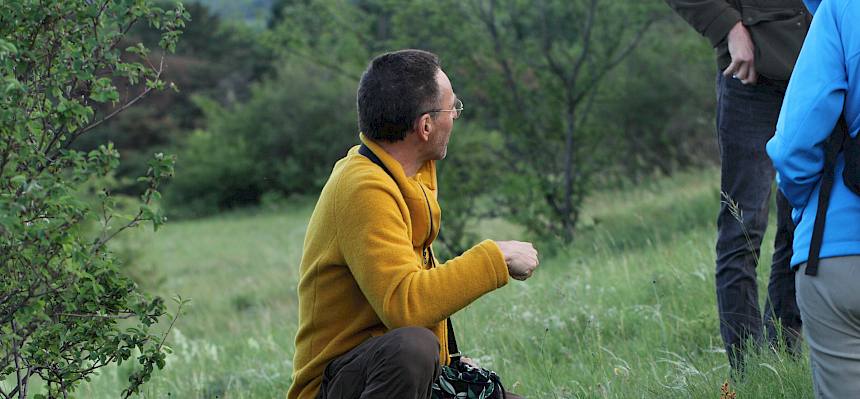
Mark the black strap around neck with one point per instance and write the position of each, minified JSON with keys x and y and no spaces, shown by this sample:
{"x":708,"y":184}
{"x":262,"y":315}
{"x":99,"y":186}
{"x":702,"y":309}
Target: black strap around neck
{"x":454,"y":353}
{"x":367,"y":152}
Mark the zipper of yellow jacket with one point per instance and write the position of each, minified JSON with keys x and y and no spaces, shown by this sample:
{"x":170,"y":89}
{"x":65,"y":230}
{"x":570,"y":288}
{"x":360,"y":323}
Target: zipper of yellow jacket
{"x":427,"y":248}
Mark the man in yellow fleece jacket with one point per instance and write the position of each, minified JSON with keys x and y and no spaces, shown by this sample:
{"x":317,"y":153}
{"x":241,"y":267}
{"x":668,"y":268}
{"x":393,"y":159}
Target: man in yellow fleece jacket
{"x":373,"y":303}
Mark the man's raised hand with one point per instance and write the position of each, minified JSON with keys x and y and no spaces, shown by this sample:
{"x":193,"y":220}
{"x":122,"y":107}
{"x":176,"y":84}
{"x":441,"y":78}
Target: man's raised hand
{"x":521,"y":257}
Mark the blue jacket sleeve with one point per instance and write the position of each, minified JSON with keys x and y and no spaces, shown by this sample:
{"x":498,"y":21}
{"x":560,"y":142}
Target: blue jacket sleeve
{"x":812,"y":105}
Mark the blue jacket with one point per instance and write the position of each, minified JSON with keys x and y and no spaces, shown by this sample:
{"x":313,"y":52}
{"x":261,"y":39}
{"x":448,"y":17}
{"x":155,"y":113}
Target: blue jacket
{"x":824,"y":81}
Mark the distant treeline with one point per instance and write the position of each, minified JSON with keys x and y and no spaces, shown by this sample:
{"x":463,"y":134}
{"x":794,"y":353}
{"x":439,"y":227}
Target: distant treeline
{"x":561,"y":97}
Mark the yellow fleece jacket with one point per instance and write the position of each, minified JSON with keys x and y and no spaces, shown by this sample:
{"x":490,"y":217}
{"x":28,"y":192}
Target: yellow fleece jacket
{"x":363,"y":270}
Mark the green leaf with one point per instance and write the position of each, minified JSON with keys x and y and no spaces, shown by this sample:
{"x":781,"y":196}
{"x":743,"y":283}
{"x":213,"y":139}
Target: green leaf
{"x":446,"y":386}
{"x":103,"y":90}
{"x":18,"y":180}
{"x":7,"y":48}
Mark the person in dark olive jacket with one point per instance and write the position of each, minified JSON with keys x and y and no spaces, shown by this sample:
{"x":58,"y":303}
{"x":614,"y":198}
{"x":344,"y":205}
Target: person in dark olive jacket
{"x":757,"y":43}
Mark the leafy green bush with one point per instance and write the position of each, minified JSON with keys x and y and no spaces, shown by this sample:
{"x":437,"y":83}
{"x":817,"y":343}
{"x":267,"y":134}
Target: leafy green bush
{"x":283,"y":140}
{"x":62,"y":296}
{"x":216,"y":172}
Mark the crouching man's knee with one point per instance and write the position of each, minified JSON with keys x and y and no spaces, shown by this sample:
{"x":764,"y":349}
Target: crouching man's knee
{"x":413,"y":346}
{"x":408,"y":363}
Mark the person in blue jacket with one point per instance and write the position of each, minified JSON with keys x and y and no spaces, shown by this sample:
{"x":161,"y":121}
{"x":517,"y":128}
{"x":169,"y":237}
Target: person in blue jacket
{"x":823,"y":84}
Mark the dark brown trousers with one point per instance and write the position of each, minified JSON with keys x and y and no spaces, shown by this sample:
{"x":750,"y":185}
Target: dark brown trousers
{"x":401,"y":364}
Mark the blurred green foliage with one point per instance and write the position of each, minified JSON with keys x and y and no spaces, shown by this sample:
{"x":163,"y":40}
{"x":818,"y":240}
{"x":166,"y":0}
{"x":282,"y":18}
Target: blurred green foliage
{"x":283,"y":140}
{"x":216,"y":58}
{"x":566,"y":96}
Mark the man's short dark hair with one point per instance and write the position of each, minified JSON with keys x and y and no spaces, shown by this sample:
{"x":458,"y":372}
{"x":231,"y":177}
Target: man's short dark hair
{"x":396,"y":89}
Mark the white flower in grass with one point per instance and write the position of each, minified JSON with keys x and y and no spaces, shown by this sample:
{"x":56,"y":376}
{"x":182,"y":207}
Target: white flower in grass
{"x":554,"y":322}
{"x":182,"y":347}
{"x":528,"y":315}
{"x":212,"y":351}
{"x":270,"y":342}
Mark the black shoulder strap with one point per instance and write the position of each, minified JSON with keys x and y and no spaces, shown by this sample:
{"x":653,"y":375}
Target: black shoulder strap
{"x":367,"y":152}
{"x":834,"y":144}
{"x":454,"y":353}
{"x":851,"y":153}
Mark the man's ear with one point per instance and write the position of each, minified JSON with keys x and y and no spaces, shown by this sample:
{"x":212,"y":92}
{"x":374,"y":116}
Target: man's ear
{"x":423,"y":127}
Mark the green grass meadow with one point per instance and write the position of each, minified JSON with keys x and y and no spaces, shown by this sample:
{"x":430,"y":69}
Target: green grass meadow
{"x":627,"y":311}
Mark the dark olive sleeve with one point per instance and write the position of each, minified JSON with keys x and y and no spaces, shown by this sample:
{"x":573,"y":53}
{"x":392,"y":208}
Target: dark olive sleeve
{"x":711,"y":18}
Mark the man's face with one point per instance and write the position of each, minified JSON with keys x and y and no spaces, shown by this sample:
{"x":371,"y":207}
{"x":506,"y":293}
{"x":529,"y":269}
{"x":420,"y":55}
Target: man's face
{"x":443,"y":122}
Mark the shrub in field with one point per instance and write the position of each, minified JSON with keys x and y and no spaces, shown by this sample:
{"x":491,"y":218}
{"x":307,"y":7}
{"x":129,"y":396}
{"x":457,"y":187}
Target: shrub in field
{"x":216,"y":172}
{"x":283,"y":140}
{"x":65,"y":308}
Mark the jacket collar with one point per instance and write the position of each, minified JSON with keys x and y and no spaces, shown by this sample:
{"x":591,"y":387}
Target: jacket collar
{"x":419,"y":192}
{"x":426,"y":173}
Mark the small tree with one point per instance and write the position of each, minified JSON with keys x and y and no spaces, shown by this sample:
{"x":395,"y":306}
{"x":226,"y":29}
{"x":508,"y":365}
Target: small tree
{"x":549,"y":58}
{"x":63,"y":298}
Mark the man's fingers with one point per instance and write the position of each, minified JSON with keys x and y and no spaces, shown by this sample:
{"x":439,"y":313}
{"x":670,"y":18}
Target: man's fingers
{"x":752,"y":76}
{"x":521,"y":258}
{"x":524,"y":274}
{"x":730,"y":70}
{"x":743,"y":71}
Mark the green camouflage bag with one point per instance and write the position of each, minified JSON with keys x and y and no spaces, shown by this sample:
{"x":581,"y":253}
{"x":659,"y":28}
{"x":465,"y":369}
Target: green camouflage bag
{"x":463,"y":381}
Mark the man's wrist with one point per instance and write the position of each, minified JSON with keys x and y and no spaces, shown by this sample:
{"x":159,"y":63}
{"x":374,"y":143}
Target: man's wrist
{"x":498,"y":262}
{"x":718,"y":31}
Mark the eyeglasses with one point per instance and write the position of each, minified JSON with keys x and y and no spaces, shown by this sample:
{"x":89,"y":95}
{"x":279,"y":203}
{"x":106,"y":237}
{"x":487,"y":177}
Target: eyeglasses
{"x":457,"y":110}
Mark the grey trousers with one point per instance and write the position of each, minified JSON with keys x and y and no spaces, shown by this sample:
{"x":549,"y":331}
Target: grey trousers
{"x":830,"y":307}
